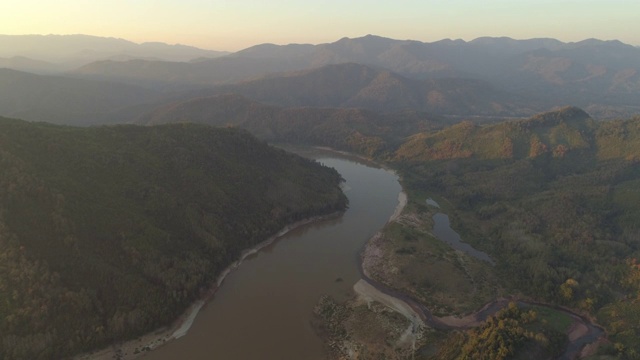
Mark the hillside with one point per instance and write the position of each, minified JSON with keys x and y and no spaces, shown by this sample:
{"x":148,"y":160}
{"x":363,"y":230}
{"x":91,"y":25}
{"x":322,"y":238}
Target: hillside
{"x":110,"y":232}
{"x":64,"y":100}
{"x":552,"y":199}
{"x":556,"y":132}
{"x":353,"y":85}
{"x":566,"y":132}
{"x":355,"y":130}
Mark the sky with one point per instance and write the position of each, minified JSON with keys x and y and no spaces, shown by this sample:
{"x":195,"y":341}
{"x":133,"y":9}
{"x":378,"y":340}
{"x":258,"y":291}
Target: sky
{"x":232,"y":25}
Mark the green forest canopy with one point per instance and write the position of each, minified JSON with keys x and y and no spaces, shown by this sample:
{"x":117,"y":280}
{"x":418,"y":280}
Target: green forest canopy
{"x":109,"y":232}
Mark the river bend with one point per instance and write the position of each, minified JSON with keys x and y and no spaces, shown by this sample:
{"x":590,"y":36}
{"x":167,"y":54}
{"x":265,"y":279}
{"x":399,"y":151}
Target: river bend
{"x":264,"y":308}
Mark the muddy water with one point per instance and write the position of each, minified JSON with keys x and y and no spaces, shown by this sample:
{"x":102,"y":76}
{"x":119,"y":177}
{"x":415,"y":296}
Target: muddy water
{"x":264,"y":308}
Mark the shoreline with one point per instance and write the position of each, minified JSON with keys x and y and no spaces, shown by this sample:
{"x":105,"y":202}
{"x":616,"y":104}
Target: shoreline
{"x":138,"y":347}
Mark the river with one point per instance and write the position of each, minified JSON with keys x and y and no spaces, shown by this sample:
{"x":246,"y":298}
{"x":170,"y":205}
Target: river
{"x":264,"y":308}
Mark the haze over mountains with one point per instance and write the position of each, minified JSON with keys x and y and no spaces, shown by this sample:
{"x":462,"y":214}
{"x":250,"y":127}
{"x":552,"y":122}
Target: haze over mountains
{"x":64,"y":100}
{"x":488,"y":77}
{"x":50,"y":53}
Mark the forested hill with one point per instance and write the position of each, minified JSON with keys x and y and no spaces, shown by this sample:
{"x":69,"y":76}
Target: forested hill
{"x":554,"y":201}
{"x":108,"y":232}
{"x":567,"y":132}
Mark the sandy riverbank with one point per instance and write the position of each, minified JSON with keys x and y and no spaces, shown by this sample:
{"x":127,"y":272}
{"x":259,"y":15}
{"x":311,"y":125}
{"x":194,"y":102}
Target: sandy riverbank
{"x":402,"y":202}
{"x":577,"y":330}
{"x":372,"y":255}
{"x":136,"y":348}
{"x":369,"y":293}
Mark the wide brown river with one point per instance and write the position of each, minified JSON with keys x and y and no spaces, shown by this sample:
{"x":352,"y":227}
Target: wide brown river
{"x":264,"y":308}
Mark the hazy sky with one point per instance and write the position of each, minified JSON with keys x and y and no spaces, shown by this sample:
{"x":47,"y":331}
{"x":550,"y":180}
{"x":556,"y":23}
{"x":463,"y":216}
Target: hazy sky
{"x":233,"y":25}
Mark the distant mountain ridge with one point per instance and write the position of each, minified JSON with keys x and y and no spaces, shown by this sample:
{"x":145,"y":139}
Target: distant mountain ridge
{"x":178,"y":75}
{"x":65,"y":100}
{"x":489,"y":77}
{"x":600,"y":76}
{"x":409,"y":57}
{"x":70,"y":51}
{"x":419,"y":59}
{"x":22,"y":63}
{"x":589,"y":73}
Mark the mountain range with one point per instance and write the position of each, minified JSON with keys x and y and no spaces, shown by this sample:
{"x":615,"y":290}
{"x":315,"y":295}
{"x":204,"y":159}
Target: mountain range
{"x":487,"y":77}
{"x":66,"y":52}
{"x":585,"y":72}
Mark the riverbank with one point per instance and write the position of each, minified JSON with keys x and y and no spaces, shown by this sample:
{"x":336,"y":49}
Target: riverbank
{"x":372,"y":256}
{"x":402,"y":203}
{"x":136,"y":348}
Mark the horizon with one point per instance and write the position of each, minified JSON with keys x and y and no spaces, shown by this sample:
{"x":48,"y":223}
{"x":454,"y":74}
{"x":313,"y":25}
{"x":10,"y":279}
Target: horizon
{"x":318,"y":43}
{"x":234,"y":26}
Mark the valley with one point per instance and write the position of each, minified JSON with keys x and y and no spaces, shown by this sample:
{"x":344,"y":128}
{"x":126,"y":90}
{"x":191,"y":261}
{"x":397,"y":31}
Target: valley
{"x":136,"y":177}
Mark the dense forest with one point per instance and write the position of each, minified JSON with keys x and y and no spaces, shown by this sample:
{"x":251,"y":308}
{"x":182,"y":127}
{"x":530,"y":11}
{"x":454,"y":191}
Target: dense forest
{"x":109,"y":232}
